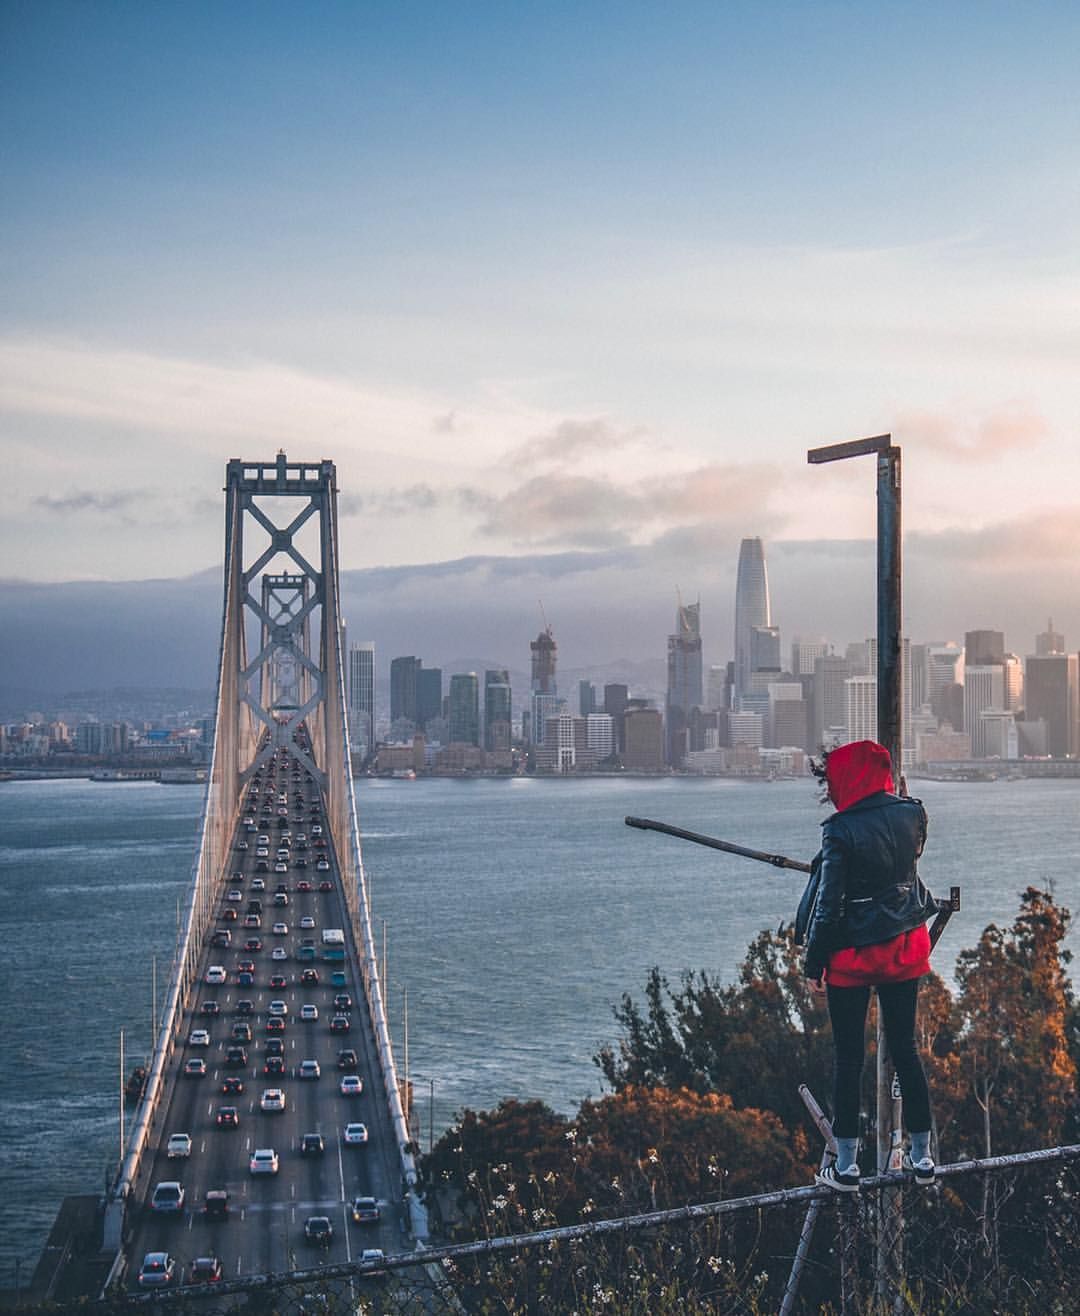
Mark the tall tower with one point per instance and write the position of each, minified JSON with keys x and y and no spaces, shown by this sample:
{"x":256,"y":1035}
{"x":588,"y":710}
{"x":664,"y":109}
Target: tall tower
{"x":751,"y":608}
{"x":362,"y":695}
{"x":496,"y":709}
{"x":465,"y":709}
{"x":684,"y":685}
{"x":544,"y":696}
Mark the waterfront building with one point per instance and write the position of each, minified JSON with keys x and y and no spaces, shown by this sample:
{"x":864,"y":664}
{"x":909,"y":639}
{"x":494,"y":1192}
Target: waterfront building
{"x":543,"y":690}
{"x":600,"y":735}
{"x":828,"y":701}
{"x":497,"y":694}
{"x":1049,"y":641}
{"x":684,"y":688}
{"x":751,"y":609}
{"x":616,"y":699}
{"x":984,"y":690}
{"x":997,"y":732}
{"x":942,"y":745}
{"x":403,"y":689}
{"x":566,"y":745}
{"x":861,"y":711}
{"x":746,"y":729}
{"x":586,"y":698}
{"x":644,"y":750}
{"x":464,"y":709}
{"x":361,"y":694}
{"x":429,"y":694}
{"x":1052,"y":693}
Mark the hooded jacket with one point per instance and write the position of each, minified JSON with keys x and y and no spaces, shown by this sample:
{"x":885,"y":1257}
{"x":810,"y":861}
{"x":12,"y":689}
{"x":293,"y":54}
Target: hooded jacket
{"x":869,"y":890}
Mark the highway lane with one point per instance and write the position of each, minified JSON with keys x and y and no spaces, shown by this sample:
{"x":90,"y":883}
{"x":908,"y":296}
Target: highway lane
{"x":264,"y":1229}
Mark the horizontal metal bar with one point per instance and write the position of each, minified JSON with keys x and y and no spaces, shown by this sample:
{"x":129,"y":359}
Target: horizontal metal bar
{"x":856,"y":448}
{"x":729,"y":847}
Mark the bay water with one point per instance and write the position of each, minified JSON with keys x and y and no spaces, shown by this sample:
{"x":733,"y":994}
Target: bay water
{"x":516,"y":912}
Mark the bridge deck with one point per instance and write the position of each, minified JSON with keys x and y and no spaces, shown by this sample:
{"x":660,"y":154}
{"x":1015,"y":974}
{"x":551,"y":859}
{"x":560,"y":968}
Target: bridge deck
{"x":264,"y":1229}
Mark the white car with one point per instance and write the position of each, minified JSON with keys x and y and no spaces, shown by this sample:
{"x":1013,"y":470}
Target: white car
{"x":309,"y":1069}
{"x":198,"y":1037}
{"x":279,"y":953}
{"x":168,"y":1197}
{"x":264,"y":839}
{"x":235,"y":896}
{"x":307,"y":922}
{"x":351,"y":1085}
{"x":277,"y":1009}
{"x":355,"y":1135}
{"x":280,"y":929}
{"x":263,"y":852}
{"x":273,"y":1099}
{"x":264,"y":1160}
{"x":216,"y":975}
{"x":309,"y":1013}
{"x":279,"y":867}
{"x":323,"y":866}
{"x":178,"y":1146}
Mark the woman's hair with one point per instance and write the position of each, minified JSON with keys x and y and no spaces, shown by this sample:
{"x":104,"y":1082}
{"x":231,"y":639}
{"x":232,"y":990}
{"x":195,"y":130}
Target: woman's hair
{"x":819,"y":768}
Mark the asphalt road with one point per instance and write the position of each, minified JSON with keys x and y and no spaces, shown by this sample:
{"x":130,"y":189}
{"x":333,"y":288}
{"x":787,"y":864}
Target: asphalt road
{"x":264,"y":1230}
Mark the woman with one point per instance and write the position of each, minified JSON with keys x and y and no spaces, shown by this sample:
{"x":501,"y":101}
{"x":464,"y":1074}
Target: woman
{"x":868,"y":929}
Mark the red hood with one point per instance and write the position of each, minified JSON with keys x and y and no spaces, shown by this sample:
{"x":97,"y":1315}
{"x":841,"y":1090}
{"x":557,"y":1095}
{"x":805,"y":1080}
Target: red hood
{"x":857,"y":770}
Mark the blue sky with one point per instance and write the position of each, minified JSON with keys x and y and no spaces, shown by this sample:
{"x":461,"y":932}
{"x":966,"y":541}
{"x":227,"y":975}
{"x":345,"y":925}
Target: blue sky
{"x":545,"y":278}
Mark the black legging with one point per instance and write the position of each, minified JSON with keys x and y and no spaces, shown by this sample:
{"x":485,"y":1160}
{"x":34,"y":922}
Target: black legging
{"x":847,"y":1010}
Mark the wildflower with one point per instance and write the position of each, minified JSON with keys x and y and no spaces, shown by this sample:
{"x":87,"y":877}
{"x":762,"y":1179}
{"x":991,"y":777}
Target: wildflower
{"x":588,"y":1207}
{"x":471,"y":1176}
{"x":500,"y":1203}
{"x":715,"y":1264}
{"x":570,"y":1135}
{"x":615,"y":1183}
{"x":550,"y":1177}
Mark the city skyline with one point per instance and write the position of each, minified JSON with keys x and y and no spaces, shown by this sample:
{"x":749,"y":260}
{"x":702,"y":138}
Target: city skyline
{"x":573,"y":315}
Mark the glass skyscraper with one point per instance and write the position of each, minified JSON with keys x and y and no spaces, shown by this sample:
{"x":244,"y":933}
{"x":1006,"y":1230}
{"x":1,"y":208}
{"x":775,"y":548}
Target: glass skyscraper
{"x":751,"y":609}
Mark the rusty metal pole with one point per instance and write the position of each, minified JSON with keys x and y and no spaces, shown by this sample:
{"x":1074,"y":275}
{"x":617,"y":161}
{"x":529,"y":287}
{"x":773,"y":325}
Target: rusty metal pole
{"x":890,"y":734}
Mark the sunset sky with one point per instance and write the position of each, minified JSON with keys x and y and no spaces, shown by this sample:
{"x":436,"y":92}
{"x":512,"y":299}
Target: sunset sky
{"x":549,"y":279}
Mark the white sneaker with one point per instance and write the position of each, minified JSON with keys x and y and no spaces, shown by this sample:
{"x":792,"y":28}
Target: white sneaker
{"x":925,"y":1171}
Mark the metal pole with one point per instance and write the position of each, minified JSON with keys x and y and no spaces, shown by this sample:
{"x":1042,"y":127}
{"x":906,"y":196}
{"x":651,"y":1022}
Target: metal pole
{"x":431,"y":1117}
{"x":121,"y":1096}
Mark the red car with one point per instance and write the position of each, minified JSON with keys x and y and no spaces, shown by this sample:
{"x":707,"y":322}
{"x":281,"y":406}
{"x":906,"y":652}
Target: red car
{"x":326,"y":886}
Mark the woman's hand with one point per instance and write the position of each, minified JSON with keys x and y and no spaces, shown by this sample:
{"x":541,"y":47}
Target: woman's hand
{"x":817,"y":985}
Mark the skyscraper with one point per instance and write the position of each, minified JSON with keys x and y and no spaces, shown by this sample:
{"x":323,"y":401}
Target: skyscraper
{"x":1052,"y":692}
{"x":361,"y":699}
{"x":984,"y":648}
{"x":586,"y":698}
{"x":751,"y":608}
{"x":984,"y":691}
{"x":544,"y":694}
{"x":403,"y":688}
{"x":684,"y":688}
{"x":496,"y":709}
{"x":1049,"y":641}
{"x":465,"y":709}
{"x":428,"y":693}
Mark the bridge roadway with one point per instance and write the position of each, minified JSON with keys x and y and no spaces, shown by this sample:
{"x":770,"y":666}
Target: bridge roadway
{"x":264,"y":1229}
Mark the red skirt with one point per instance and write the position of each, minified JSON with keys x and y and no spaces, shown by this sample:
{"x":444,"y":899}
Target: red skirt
{"x":896,"y":960}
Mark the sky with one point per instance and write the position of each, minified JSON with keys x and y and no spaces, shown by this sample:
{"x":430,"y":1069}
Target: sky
{"x":567,"y":291}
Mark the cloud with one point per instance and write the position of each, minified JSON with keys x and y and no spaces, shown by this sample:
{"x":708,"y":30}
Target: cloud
{"x":1050,"y":534}
{"x":87,"y":501}
{"x":390,"y":502}
{"x":1011,"y":427}
{"x":571,"y":441}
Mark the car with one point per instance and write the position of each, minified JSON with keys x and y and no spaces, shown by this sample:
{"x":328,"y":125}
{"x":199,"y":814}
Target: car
{"x":309,"y":1013}
{"x":273,"y":1099}
{"x":198,"y":1037}
{"x":310,"y":977}
{"x":236,"y":1055}
{"x":257,"y":884}
{"x":229,"y":915}
{"x":301,"y":838}
{"x":281,"y":899}
{"x":309,"y":1069}
{"x":319,"y":1230}
{"x":252,"y":921}
{"x":275,"y":1024}
{"x":307,"y":922}
{"x":280,"y":867}
{"x":365,"y":1210}
{"x":241,"y":845}
{"x":274,"y":1066}
{"x":262,"y":852}
{"x":235,"y":897}
{"x":325,"y":886}
{"x":301,"y":862}
{"x":356,"y":1135}
{"x":263,"y":866}
{"x":245,"y":978}
{"x":232,"y":1086}
{"x":312,"y":1144}
{"x":221,"y":937}
{"x":372,"y":1259}
{"x":316,"y":830}
{"x":323,"y":866}
{"x":228,"y":1117}
{"x":320,"y":844}
{"x":253,"y":945}
{"x":264,"y":839}
{"x":352,"y":1085}
{"x":277,"y":1008}
{"x":216,"y":976}
{"x":283,"y":855}
{"x":274,"y":1046}
{"x":245,"y":966}
{"x":195,"y":1068}
{"x":342,"y":1001}
{"x":278,"y":982}
{"x":340,"y":1023}
{"x":210,"y":1007}
{"x":280,"y":929}
{"x":279,"y":953}
{"x":245,"y":1006}
{"x":168,"y":1197}
{"x":346,"y":1059}
{"x":178,"y":1147}
{"x":205,"y":1270}
{"x":241,"y":1032}
{"x":264,"y":1160}
{"x":303,"y":887}
{"x":216,"y":1204}
{"x":157,"y":1271}
{"x":338,"y":978}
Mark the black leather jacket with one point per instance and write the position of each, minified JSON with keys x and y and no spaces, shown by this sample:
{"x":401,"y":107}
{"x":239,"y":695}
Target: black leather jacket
{"x":869,"y":889}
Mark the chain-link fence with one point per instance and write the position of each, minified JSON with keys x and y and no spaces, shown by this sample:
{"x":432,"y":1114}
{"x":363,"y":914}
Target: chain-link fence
{"x":994,"y":1236}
